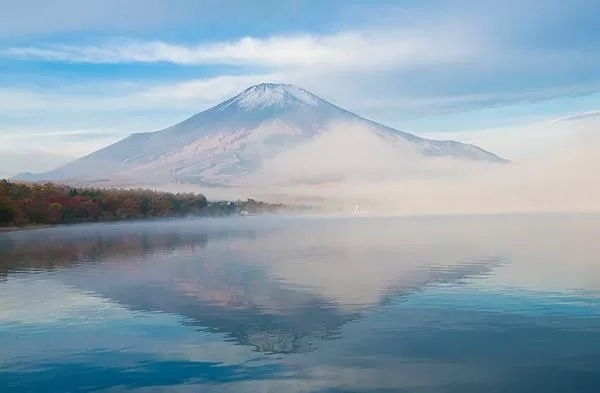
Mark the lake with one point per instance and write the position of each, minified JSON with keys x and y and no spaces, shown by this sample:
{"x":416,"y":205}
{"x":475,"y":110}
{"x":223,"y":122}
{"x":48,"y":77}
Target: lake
{"x":288,"y":304}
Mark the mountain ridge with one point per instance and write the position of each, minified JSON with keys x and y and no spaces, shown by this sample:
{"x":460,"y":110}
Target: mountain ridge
{"x":235,"y":137}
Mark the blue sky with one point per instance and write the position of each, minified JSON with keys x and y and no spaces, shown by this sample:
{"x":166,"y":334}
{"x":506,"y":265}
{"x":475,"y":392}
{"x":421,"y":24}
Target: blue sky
{"x":75,"y":76}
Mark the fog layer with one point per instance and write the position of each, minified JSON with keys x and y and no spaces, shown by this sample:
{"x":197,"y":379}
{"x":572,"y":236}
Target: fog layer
{"x":345,"y":166}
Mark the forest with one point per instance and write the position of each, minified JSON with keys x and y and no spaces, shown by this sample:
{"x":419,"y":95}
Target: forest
{"x":26,"y":204}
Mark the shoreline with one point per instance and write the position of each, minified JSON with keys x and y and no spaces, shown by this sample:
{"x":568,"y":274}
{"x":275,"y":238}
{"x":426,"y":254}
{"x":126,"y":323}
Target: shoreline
{"x":14,"y":229}
{"x":304,"y":215}
{"x":41,"y":226}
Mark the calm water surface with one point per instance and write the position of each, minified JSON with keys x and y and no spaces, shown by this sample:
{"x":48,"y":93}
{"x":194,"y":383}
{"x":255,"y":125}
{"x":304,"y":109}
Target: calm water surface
{"x":263,"y":304}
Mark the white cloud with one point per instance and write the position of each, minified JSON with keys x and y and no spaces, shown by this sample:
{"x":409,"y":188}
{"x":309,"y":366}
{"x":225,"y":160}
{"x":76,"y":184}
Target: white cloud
{"x":34,"y":150}
{"x":531,"y":140}
{"x":565,"y":180}
{"x":345,"y":150}
{"x":13,"y":162}
{"x":344,"y":50}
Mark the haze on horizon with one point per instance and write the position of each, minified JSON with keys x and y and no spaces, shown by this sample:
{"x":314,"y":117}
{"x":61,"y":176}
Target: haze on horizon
{"x":518,"y":79}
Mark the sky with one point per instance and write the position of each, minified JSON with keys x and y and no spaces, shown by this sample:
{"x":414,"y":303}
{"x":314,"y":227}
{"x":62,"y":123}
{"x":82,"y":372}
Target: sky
{"x":508,"y":75}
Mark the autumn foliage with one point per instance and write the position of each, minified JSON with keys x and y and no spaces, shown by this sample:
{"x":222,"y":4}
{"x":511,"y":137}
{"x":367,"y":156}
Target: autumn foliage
{"x":47,"y":204}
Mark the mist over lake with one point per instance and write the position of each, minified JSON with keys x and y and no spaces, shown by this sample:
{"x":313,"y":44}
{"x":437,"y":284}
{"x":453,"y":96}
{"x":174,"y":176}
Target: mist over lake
{"x":289,"y":304}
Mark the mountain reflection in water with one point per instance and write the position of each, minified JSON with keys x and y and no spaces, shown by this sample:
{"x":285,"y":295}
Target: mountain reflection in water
{"x":335,"y":292}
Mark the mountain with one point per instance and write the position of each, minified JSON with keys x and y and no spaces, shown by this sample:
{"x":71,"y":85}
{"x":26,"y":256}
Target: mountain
{"x":235,"y":139}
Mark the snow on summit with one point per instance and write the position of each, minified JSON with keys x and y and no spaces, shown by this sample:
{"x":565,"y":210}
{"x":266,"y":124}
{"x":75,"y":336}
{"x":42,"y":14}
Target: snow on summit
{"x":269,"y":95}
{"x":272,"y":95}
{"x":264,"y":124}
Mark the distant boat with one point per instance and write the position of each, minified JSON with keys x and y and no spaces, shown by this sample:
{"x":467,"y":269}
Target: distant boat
{"x":356,"y":209}
{"x":244,"y":213}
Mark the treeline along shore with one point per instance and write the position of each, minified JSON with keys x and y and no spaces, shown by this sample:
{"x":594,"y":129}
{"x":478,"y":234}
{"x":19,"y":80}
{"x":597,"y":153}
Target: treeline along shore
{"x":34,"y":204}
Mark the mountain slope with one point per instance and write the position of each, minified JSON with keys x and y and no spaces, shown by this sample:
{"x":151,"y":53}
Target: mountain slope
{"x":233,"y":139}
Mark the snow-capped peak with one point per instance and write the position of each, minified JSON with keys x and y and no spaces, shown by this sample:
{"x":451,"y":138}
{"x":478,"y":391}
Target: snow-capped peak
{"x":273,"y":95}
{"x":234,"y":138}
